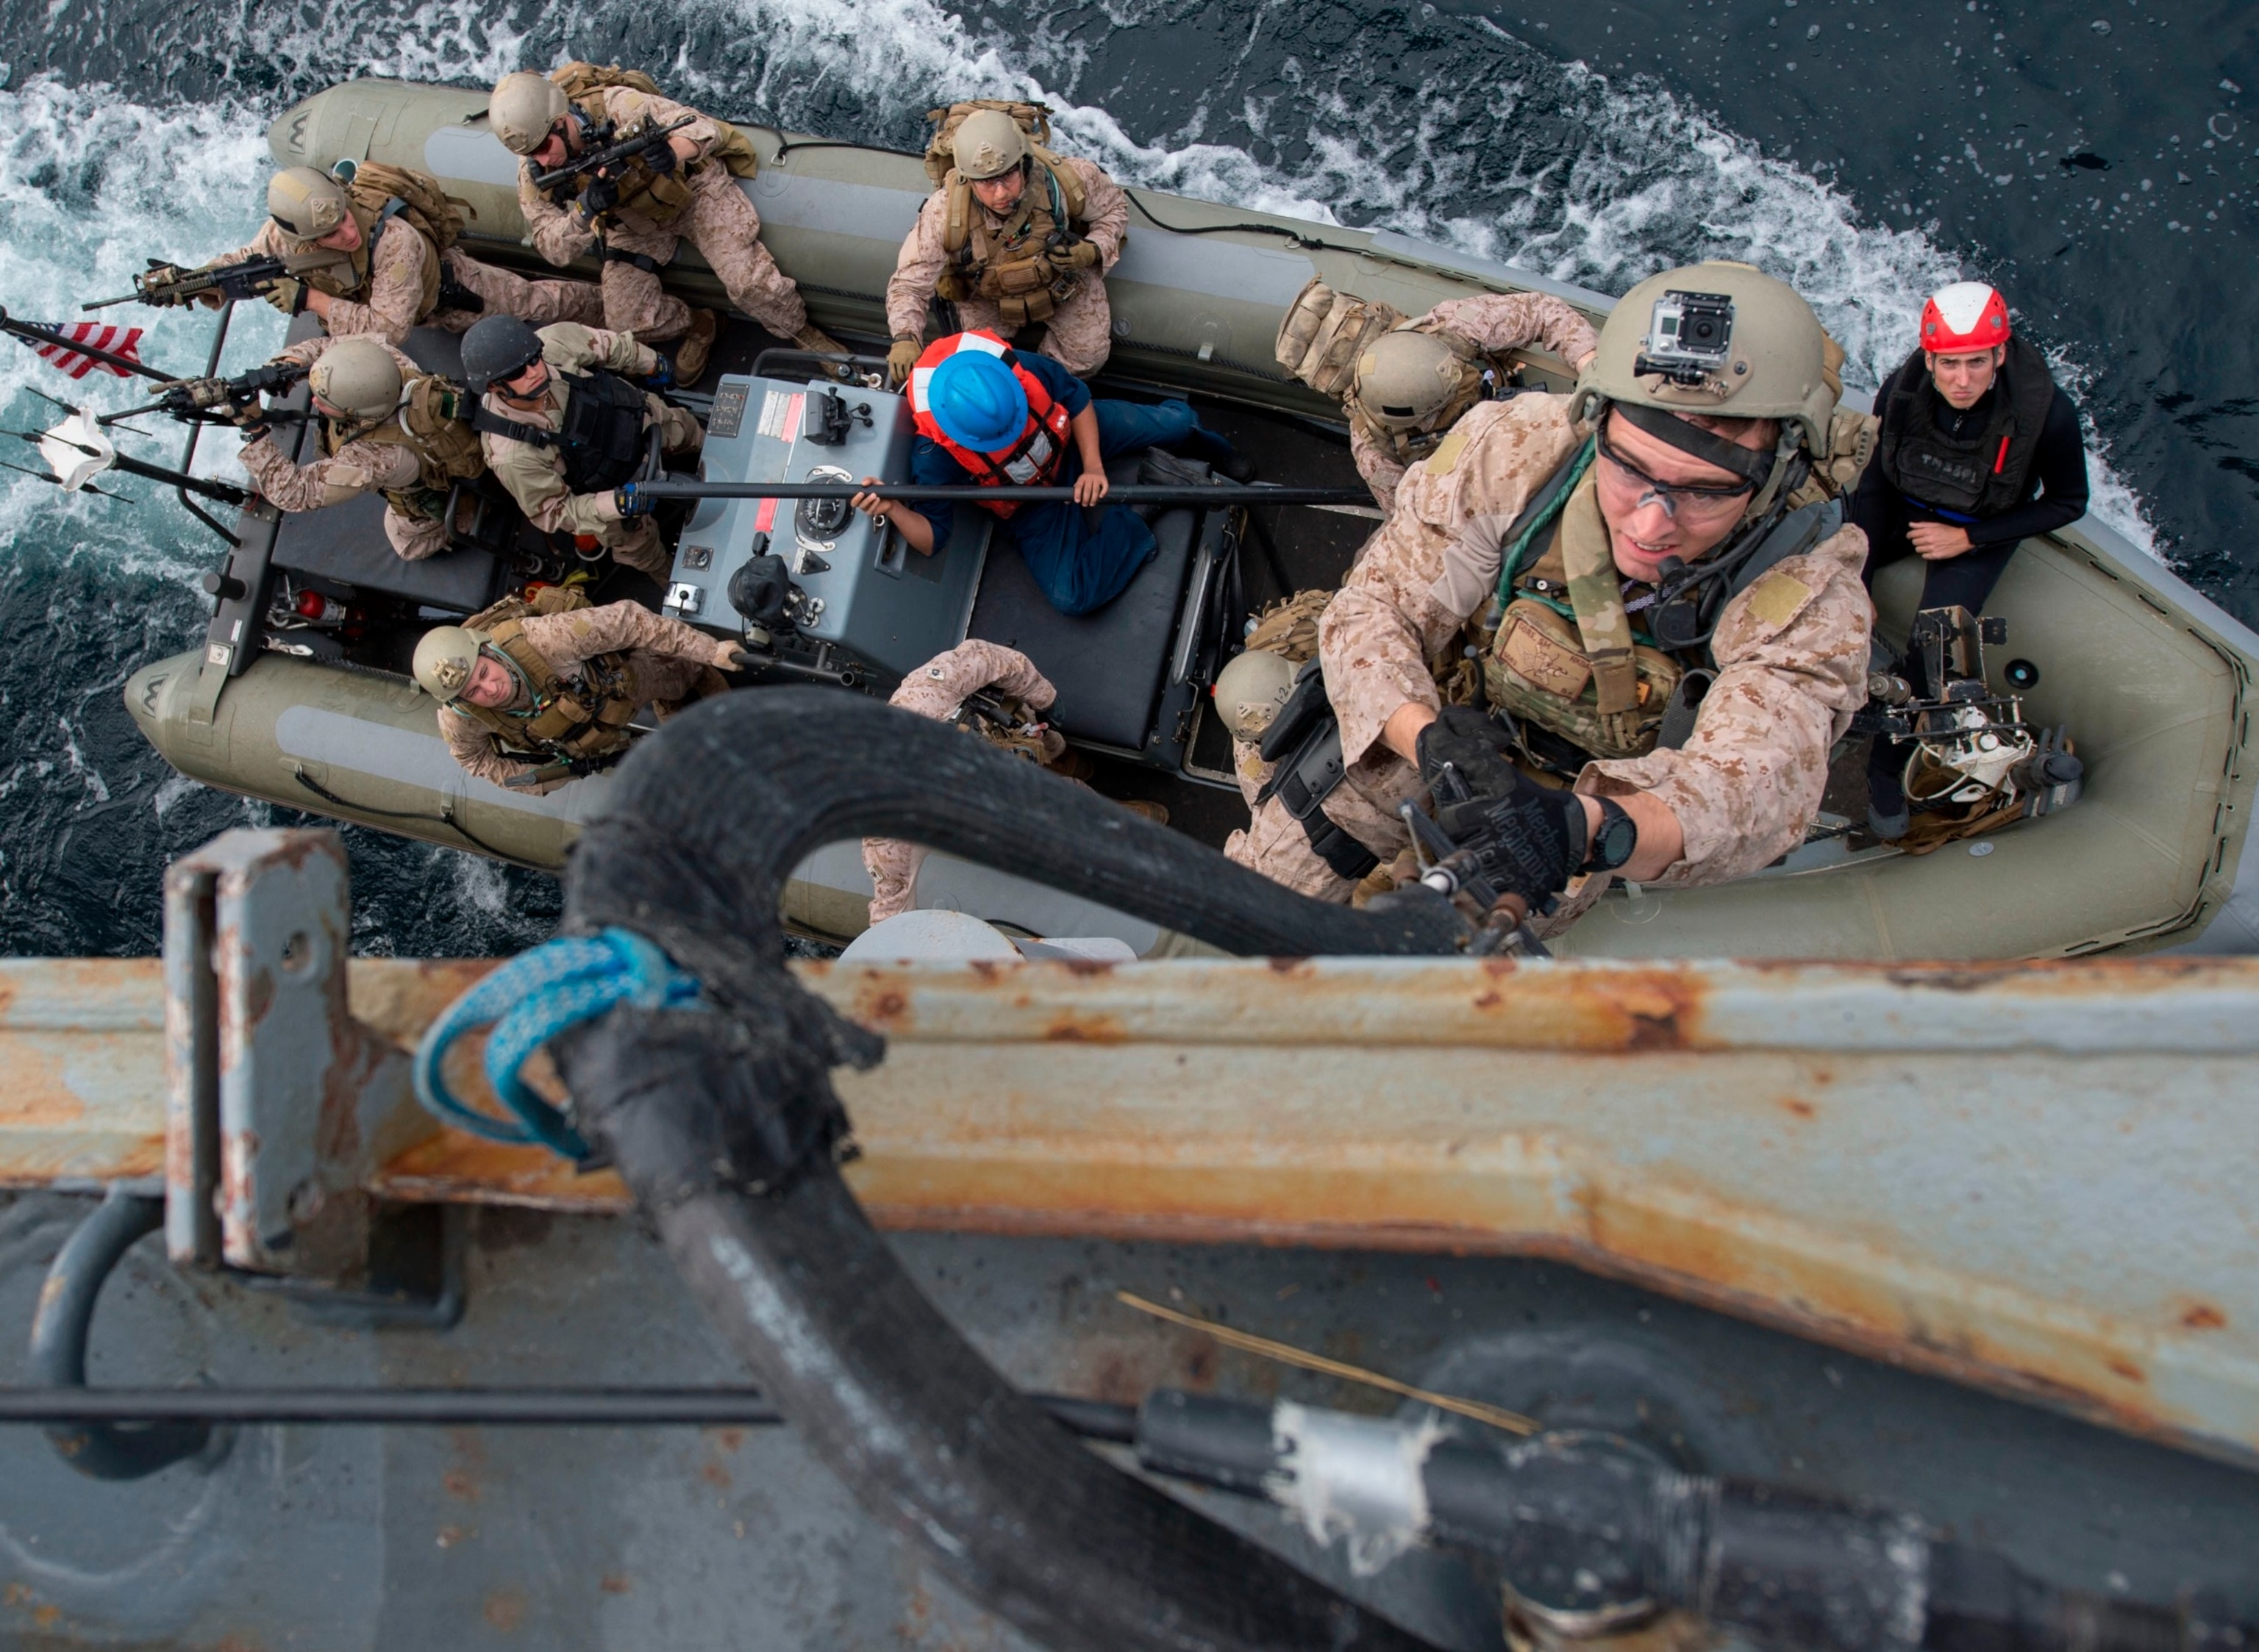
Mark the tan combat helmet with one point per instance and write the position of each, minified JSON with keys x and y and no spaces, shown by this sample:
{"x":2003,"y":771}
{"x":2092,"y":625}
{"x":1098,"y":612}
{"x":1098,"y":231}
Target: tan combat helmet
{"x":358,"y":378}
{"x":305,"y":204}
{"x":988,"y":144}
{"x":444,"y":660}
{"x":1405,"y":378}
{"x":1717,"y":337}
{"x":524,"y":106}
{"x":1251,"y":690}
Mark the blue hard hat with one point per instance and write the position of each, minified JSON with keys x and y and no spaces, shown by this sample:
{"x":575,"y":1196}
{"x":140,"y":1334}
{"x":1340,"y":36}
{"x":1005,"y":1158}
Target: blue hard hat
{"x":977,"y":401}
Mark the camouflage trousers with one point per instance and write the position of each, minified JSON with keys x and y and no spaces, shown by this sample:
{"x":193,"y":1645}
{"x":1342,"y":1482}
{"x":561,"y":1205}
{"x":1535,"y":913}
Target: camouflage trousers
{"x":537,"y":302}
{"x":635,"y":543}
{"x":1364,"y":805}
{"x":414,"y":538}
{"x":721,"y":222}
{"x":1079,"y":335}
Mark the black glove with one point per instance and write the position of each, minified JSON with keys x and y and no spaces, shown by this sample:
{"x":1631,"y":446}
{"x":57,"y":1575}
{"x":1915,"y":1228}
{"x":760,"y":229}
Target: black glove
{"x":601,"y":196}
{"x":661,"y":157}
{"x":631,"y":502}
{"x":1528,"y":838}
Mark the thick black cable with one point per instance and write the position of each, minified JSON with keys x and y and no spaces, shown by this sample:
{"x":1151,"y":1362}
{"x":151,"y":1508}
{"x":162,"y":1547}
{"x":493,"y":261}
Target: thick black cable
{"x":727,"y":1128}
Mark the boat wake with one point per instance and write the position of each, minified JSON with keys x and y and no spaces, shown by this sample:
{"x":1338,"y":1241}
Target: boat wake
{"x":1441,"y":127}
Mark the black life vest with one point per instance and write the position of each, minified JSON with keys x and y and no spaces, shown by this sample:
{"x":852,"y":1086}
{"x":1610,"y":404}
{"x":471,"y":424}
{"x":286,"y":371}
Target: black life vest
{"x":1980,"y":475}
{"x":600,"y":437}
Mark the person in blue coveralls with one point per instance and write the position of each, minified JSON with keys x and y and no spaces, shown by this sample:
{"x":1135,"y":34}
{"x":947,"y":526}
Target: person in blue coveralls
{"x":989,"y":415}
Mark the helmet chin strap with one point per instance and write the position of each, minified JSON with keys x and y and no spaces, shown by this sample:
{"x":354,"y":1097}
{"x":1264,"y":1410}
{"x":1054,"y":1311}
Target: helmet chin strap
{"x":1705,"y":579}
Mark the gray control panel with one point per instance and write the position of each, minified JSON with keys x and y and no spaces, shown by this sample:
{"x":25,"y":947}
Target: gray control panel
{"x":868,"y":592}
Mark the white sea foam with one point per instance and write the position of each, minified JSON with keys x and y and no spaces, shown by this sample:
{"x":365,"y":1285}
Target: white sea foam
{"x":89,"y":185}
{"x":1629,"y":179}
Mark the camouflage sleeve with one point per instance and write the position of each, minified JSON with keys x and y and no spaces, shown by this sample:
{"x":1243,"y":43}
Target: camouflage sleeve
{"x":567,"y":639}
{"x":916,"y":269}
{"x":1376,"y":465}
{"x":307,"y":351}
{"x":1791,"y":654}
{"x":559,"y":236}
{"x":1516,"y":321}
{"x":575,"y":348}
{"x":1105,"y":209}
{"x":477,"y":751}
{"x":937,"y":689}
{"x":626,"y":106}
{"x":267,"y":244}
{"x":395,"y":289}
{"x":356,"y":468}
{"x":1422,"y":576}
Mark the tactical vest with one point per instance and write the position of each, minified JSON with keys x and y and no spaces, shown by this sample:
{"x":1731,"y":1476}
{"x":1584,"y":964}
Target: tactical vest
{"x":376,"y":195}
{"x":1566,"y":653}
{"x":1030,"y":459}
{"x":561,"y":720}
{"x":660,"y":197}
{"x":1974,"y":477}
{"x":599,"y":440}
{"x":1022,"y":266}
{"x":430,"y":424}
{"x":1325,"y":333}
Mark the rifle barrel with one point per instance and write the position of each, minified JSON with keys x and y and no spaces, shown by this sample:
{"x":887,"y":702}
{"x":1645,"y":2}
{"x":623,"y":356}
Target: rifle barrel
{"x":912,"y":493}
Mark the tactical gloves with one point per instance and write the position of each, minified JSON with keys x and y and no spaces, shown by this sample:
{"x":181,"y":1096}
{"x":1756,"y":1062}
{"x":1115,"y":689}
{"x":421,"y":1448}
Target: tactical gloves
{"x":1083,"y":255}
{"x":600,"y":197}
{"x":1528,"y":838}
{"x":902,"y":358}
{"x":631,"y":502}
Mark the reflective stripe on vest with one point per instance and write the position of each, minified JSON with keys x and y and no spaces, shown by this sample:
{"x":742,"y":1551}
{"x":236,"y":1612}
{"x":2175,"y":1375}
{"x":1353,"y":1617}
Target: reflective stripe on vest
{"x":1032,"y":456}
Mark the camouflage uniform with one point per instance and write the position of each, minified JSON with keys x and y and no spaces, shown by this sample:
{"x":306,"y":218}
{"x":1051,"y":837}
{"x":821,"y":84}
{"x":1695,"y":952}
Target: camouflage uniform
{"x":394,"y":301}
{"x":1791,"y":654}
{"x":1493,"y":323}
{"x":719,"y":221}
{"x":356,"y":468}
{"x":666,"y":661}
{"x":535,"y":475}
{"x":1080,"y":334}
{"x":935,"y":690}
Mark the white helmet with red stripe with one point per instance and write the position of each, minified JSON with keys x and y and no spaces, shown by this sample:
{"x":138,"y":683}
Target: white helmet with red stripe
{"x":1964,"y":316}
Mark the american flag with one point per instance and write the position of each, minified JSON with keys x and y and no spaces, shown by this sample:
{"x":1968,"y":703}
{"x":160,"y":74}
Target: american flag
{"x":120,"y":341}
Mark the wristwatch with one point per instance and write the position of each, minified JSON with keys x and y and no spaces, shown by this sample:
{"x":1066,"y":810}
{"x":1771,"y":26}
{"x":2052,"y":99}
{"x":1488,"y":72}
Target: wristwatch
{"x":1614,"y":840}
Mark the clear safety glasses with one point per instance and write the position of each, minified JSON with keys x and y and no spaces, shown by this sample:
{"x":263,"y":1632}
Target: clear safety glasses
{"x":1700,"y":500}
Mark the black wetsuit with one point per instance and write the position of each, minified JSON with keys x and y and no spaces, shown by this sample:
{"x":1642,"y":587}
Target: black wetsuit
{"x":2055,"y":496}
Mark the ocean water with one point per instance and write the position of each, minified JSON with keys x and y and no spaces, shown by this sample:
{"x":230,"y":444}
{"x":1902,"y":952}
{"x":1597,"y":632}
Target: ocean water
{"x":2094,"y":161}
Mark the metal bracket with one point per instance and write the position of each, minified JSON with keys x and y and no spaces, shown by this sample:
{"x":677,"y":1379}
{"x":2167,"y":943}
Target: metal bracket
{"x":279,"y":1105}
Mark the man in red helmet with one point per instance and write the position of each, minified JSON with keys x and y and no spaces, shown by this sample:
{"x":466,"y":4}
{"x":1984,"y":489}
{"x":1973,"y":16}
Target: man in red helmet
{"x":1979,"y":450}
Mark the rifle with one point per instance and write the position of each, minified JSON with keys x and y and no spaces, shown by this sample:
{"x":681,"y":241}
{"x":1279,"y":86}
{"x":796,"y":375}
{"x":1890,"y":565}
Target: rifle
{"x":166,"y":285}
{"x":563,"y":768}
{"x":641,"y":139}
{"x":217,"y":401}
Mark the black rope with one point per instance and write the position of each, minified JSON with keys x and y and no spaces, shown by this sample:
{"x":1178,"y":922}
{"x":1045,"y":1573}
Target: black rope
{"x":1295,"y":237}
{"x":448,"y":820}
{"x":465,"y":1407}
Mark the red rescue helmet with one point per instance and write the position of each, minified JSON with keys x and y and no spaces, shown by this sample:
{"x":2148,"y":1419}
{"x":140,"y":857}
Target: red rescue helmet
{"x":1964,"y":316}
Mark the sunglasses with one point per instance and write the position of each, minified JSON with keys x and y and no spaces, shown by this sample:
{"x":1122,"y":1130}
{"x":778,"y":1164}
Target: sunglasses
{"x":1705,"y":496}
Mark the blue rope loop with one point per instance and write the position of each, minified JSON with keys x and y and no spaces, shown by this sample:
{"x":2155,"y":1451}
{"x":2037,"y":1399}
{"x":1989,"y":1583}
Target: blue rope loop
{"x":530,"y":1000}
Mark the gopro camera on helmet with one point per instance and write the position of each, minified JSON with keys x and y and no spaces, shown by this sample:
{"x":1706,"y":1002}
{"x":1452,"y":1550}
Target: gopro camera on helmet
{"x":1689,"y":336}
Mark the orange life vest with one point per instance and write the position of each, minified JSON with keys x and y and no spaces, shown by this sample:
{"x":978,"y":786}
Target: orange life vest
{"x":1030,"y":459}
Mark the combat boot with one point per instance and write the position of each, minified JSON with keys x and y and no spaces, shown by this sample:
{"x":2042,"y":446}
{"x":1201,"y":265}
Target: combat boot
{"x":692,"y":349}
{"x":813,"y":337}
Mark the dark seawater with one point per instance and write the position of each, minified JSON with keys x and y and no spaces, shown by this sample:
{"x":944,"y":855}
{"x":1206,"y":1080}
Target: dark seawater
{"x":2097,"y":161}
